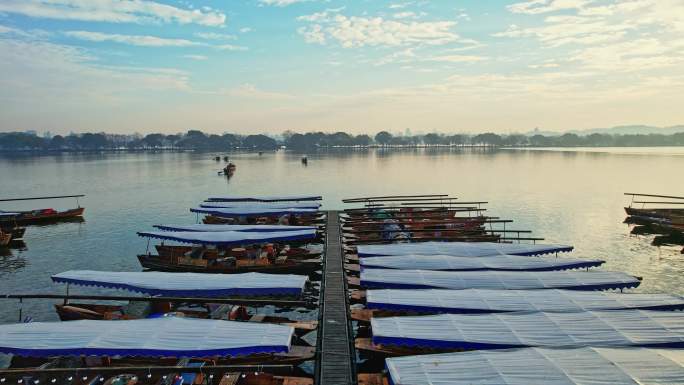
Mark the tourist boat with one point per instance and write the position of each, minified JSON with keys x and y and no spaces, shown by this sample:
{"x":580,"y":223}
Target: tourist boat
{"x":153,"y":342}
{"x":655,"y":213}
{"x":215,"y":252}
{"x":5,"y":238}
{"x":8,"y":225}
{"x":187,"y":285}
{"x":403,"y":302}
{"x":461,"y":249}
{"x":513,"y":366}
{"x":41,"y":216}
{"x":504,"y":280}
{"x":260,"y":215}
{"x":394,"y":336}
{"x":282,"y":198}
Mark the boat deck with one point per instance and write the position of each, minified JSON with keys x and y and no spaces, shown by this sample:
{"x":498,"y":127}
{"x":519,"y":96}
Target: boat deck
{"x":336,"y":364}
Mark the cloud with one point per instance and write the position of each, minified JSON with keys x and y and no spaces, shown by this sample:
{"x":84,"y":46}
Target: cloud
{"x":534,"y":7}
{"x":215,"y":36}
{"x":405,"y":15}
{"x":196,"y":57}
{"x":245,"y":29}
{"x":113,"y":11}
{"x":148,"y":41}
{"x":138,"y":40}
{"x":358,"y":31}
{"x":281,"y":3}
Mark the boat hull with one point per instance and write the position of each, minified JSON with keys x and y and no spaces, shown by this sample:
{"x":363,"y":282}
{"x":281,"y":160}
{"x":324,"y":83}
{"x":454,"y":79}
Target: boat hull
{"x":152,"y":262}
{"x":38,"y":217}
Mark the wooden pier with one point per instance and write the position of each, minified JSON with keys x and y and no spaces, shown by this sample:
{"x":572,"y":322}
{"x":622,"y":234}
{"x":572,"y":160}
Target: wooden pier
{"x":336,"y":355}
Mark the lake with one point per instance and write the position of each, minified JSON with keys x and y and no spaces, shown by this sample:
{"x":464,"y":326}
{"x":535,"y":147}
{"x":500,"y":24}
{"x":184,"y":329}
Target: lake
{"x":566,"y":196}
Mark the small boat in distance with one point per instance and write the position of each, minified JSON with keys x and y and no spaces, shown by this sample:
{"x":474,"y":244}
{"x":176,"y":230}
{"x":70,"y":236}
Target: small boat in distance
{"x":39,"y":216}
{"x":5,"y":238}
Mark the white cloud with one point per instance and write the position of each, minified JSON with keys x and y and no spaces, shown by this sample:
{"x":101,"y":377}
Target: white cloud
{"x":358,"y":31}
{"x":113,"y":11}
{"x":196,"y":57}
{"x":138,"y":40}
{"x":404,"y":15}
{"x":457,"y":58}
{"x":281,"y":3}
{"x":215,"y":36}
{"x":245,"y":29}
{"x":533,"y":7}
{"x":148,"y":41}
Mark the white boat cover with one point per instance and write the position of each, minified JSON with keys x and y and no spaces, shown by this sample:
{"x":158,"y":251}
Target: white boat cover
{"x":8,"y":214}
{"x":264,"y":205}
{"x":188,"y":284}
{"x":496,"y":262}
{"x":494,"y":301}
{"x":460,"y":249}
{"x":228,"y":238}
{"x":152,"y":337}
{"x":520,"y":280}
{"x":220,"y":228}
{"x":582,"y":366}
{"x":247,"y":211}
{"x":285,"y":198}
{"x":641,"y":328}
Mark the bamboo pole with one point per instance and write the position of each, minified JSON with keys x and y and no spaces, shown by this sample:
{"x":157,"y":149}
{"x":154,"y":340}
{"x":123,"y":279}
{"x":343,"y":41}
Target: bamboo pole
{"x":38,"y":198}
{"x":654,"y":196}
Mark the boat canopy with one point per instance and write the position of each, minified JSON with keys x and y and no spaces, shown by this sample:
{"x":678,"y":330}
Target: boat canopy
{"x":153,"y":337}
{"x":8,"y":214}
{"x":265,"y":205}
{"x":251,"y":211}
{"x":229,"y":238}
{"x":291,"y":198}
{"x":639,"y":328}
{"x":495,"y":301}
{"x":582,"y":366}
{"x":460,"y":249}
{"x":188,"y":284}
{"x":519,"y":280}
{"x":245,"y":228}
{"x":496,"y":262}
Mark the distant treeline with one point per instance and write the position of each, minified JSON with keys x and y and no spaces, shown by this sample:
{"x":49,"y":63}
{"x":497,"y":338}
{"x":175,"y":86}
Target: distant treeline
{"x":197,"y":140}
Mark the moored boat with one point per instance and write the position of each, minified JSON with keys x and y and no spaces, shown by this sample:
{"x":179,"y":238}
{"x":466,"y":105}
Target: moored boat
{"x":44,"y":216}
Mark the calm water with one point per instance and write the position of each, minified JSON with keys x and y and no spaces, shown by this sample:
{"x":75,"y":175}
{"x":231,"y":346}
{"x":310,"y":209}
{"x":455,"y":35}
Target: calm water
{"x":570,"y":197}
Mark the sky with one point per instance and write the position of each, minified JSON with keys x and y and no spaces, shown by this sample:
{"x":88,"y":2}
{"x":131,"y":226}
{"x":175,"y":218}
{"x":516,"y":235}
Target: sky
{"x":266,"y":66}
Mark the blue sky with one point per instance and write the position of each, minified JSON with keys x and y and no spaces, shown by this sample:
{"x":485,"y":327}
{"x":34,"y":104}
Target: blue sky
{"x":359,"y":66}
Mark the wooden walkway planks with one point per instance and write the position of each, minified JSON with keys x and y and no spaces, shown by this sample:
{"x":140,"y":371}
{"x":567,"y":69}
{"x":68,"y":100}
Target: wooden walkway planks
{"x":336,"y":362}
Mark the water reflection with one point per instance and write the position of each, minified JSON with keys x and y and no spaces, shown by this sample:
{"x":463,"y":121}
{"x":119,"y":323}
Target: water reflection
{"x":566,"y":197}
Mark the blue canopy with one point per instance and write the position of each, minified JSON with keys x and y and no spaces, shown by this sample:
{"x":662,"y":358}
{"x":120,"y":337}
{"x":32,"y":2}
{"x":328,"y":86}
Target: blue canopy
{"x":230,"y":238}
{"x":291,"y":198}
{"x":284,"y":205}
{"x":496,"y":262}
{"x":460,"y":249}
{"x":152,"y":337}
{"x":496,"y":301}
{"x":639,"y":328}
{"x":245,"y":228}
{"x":188,"y":284}
{"x":582,"y":366}
{"x":252,"y":211}
{"x":509,"y":280}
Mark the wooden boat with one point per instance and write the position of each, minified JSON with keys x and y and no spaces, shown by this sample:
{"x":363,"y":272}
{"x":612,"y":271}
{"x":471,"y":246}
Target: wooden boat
{"x":44,"y":216}
{"x":16,"y":232}
{"x":262,"y":379}
{"x":5,"y":238}
{"x":365,"y":345}
{"x":77,"y":311}
{"x":289,"y":252}
{"x":372,"y":379}
{"x":473,"y":236}
{"x":279,"y":265}
{"x":293,"y":220}
{"x":654,"y":213}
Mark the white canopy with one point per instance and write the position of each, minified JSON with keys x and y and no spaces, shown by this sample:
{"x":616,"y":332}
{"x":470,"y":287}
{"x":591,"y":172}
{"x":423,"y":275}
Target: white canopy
{"x":583,"y":366}
{"x":154,"y":337}
{"x":496,"y":262}
{"x":265,"y":205}
{"x":522,"y":280}
{"x":459,"y":249}
{"x":228,"y":238}
{"x":641,"y":328}
{"x":290,"y":198}
{"x":247,"y":211}
{"x":188,"y":284}
{"x":485,"y":301}
{"x":221,"y":228}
